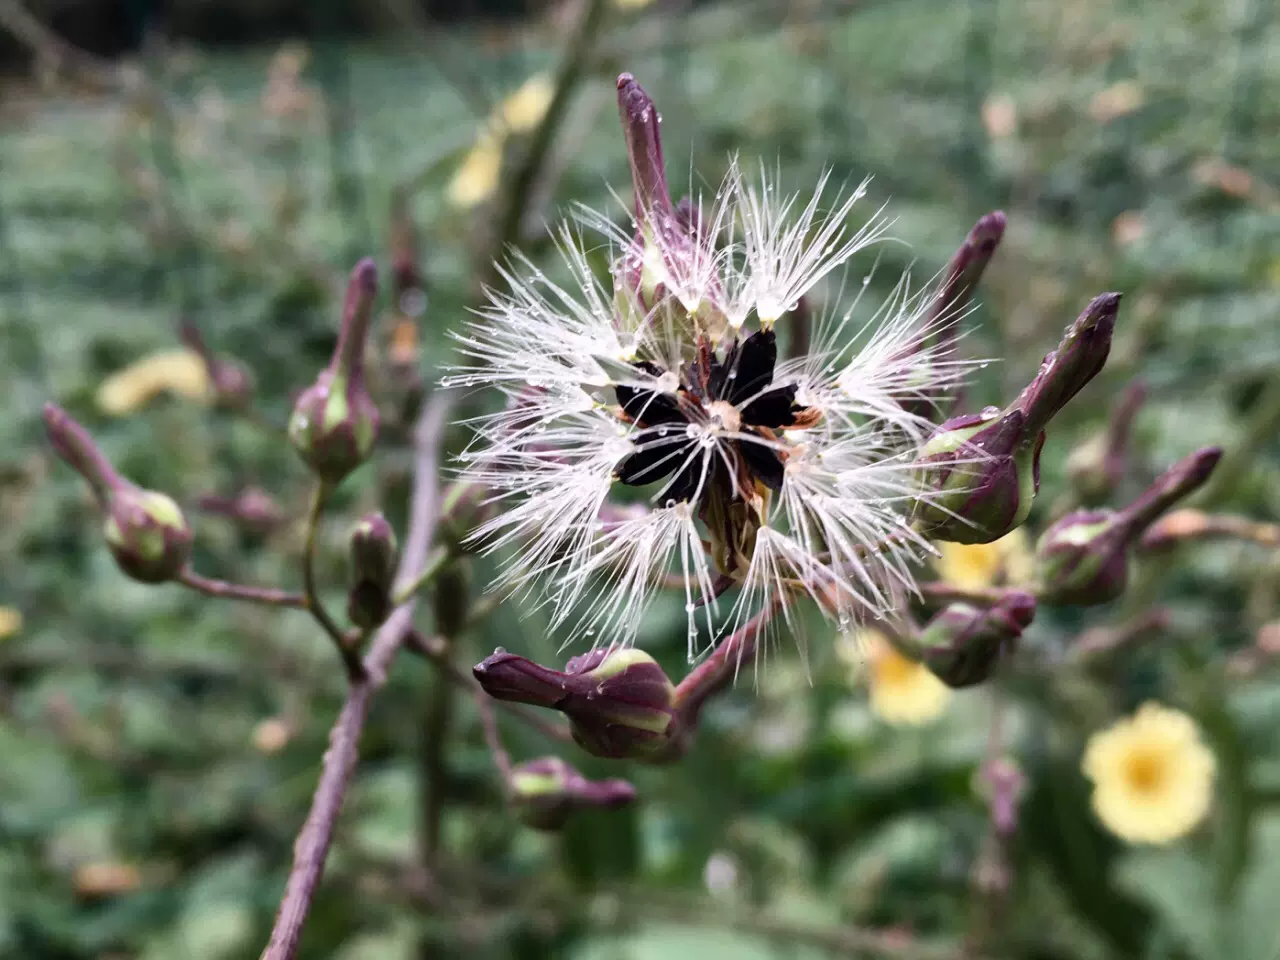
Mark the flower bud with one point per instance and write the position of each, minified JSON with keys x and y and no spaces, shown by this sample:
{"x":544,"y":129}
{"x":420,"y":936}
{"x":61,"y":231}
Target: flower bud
{"x":335,"y":421}
{"x":255,"y":510}
{"x":619,"y":702}
{"x":232,"y":383}
{"x":981,"y":477}
{"x":373,"y":555}
{"x":1083,"y":559}
{"x":452,"y":597}
{"x":546,"y":791}
{"x":983,"y":471}
{"x":145,"y":530}
{"x":963,"y":644}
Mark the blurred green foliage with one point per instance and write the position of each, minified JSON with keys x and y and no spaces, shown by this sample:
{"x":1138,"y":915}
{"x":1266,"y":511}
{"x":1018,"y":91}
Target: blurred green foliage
{"x":158,"y":750}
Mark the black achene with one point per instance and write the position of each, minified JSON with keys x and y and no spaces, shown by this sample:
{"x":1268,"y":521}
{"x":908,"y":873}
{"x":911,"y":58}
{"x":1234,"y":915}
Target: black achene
{"x":715,"y":405}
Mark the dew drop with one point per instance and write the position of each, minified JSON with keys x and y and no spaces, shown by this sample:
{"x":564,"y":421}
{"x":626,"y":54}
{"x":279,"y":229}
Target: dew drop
{"x":670,"y":502}
{"x":866,"y":280}
{"x":690,"y":607}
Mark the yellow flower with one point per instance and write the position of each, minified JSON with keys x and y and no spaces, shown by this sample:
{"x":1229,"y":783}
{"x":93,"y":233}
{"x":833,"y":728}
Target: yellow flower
{"x":903,"y":692}
{"x":523,"y":110}
{"x":1152,"y":775}
{"x":972,"y":566}
{"x":174,"y":371}
{"x":477,"y":178}
{"x":631,"y":4}
{"x":10,"y":622}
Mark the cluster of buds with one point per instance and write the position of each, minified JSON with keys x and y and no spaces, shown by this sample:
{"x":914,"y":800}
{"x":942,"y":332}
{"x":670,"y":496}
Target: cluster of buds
{"x":373,"y":558}
{"x":335,"y":421}
{"x":1083,"y":559}
{"x":620,"y":703}
{"x":545,"y":792}
{"x":983,"y":470}
{"x":144,"y":529}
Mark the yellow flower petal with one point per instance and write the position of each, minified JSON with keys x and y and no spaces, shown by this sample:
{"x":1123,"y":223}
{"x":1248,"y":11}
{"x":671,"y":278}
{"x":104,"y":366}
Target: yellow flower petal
{"x":903,"y":692}
{"x":972,"y":566}
{"x":10,"y":622}
{"x":477,"y":179}
{"x":180,"y":371}
{"x":1152,"y":775}
{"x":524,"y":109}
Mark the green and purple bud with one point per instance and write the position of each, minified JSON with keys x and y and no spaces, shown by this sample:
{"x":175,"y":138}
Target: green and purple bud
{"x":982,"y":471}
{"x":144,"y":529}
{"x":620,"y":703}
{"x":374,"y":555}
{"x":963,"y":644}
{"x":547,"y":791}
{"x":1083,"y":559}
{"x":335,"y":422}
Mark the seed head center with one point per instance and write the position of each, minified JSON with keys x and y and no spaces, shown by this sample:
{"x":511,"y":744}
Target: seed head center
{"x":724,"y":416}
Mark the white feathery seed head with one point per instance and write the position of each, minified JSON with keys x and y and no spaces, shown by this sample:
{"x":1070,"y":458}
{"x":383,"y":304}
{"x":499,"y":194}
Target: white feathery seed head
{"x":653,"y":440}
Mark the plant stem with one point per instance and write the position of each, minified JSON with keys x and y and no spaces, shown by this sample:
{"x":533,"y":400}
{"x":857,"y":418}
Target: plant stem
{"x":237,"y":591}
{"x":436,"y":561}
{"x":312,"y":846}
{"x":350,"y":659}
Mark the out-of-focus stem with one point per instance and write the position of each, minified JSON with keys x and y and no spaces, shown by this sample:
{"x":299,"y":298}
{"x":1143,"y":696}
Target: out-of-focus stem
{"x":237,"y":591}
{"x":350,"y":659}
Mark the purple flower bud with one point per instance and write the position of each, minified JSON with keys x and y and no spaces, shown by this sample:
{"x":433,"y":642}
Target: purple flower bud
{"x":335,"y":421}
{"x":547,"y":791}
{"x":640,"y":122}
{"x":145,"y":530}
{"x":1083,"y":559}
{"x":620,"y":703}
{"x":232,"y":382}
{"x":253,"y":508}
{"x":963,"y":644}
{"x":981,"y":477}
{"x":373,"y":554}
{"x":983,"y":470}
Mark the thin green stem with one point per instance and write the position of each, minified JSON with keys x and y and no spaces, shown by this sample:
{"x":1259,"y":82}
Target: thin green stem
{"x":350,"y":659}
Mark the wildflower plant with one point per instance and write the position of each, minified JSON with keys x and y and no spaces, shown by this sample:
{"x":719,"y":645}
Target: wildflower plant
{"x":706,"y":414}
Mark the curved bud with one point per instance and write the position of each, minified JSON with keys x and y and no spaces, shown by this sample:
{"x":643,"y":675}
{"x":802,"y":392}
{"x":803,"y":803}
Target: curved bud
{"x":335,"y":422}
{"x":546,"y":791}
{"x":980,"y":476}
{"x":963,"y":644}
{"x":145,"y":530}
{"x":1083,"y":559}
{"x":232,"y":383}
{"x":374,"y":554}
{"x":620,"y":703}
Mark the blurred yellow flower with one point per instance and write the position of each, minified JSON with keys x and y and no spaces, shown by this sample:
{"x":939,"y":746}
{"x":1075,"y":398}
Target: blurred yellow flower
{"x":10,"y":622}
{"x":106,"y":878}
{"x":903,"y":692}
{"x":477,"y":178}
{"x":631,"y":4}
{"x":972,"y":566}
{"x":178,"y":371}
{"x":523,"y":110}
{"x":1152,"y":775}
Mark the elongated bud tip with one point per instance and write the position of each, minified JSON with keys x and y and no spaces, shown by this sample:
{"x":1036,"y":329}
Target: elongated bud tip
{"x":373,"y":554}
{"x":364,"y":277}
{"x":547,"y":791}
{"x":988,"y":232}
{"x":620,"y":703}
{"x":963,"y":644}
{"x":640,"y":120}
